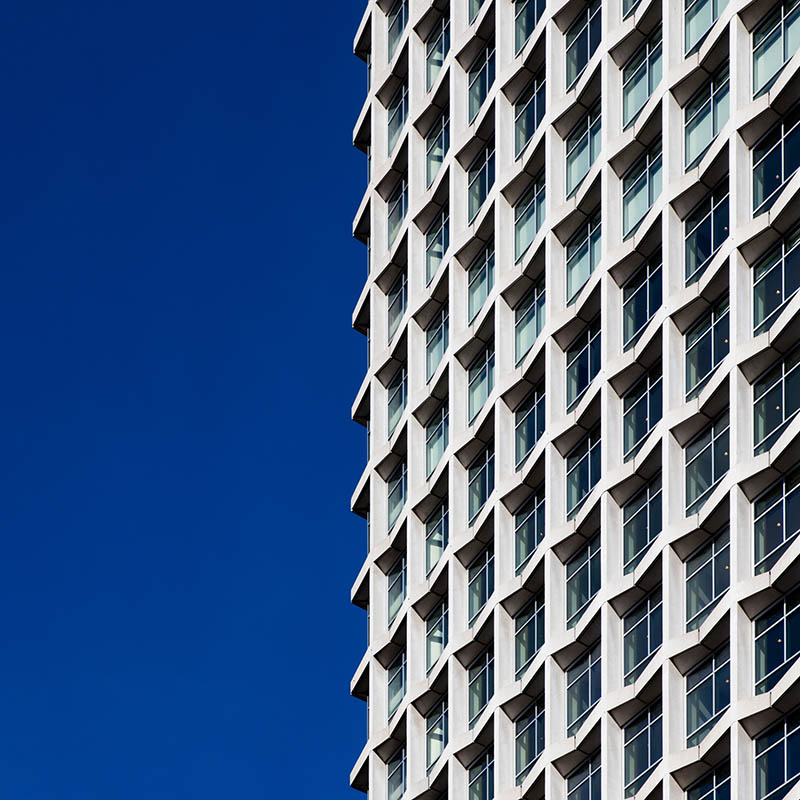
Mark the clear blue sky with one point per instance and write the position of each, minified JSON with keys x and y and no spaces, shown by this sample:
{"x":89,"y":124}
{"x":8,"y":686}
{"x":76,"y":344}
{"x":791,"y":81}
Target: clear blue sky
{"x":177,"y":186}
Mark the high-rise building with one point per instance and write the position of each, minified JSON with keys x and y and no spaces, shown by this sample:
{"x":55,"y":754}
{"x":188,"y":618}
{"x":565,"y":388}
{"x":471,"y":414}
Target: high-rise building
{"x":581,"y":395}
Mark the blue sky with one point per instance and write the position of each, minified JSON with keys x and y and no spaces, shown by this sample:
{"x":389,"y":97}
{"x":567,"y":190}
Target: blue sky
{"x":176,"y":453}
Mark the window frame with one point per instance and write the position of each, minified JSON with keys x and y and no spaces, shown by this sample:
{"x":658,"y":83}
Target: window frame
{"x":591,"y":440}
{"x":480,"y":569}
{"x":776,"y":257}
{"x":439,"y":518}
{"x":535,"y":94}
{"x":439,"y":422}
{"x":653,"y":716}
{"x":530,"y":616}
{"x":397,"y":115}
{"x":716,"y":91}
{"x":533,"y":300}
{"x":591,"y":333}
{"x":763,"y":387}
{"x":722,"y":419}
{"x":439,"y":130}
{"x":585,"y":664}
{"x":483,"y":668}
{"x":529,"y":724}
{"x":584,"y":21}
{"x":647,"y":610}
{"x":716,"y":202}
{"x":533,"y":200}
{"x":719,"y":545}
{"x":713,"y":321}
{"x":648,"y":167}
{"x":589,"y":236}
{"x":644,"y":501}
{"x":648,"y":56}
{"x":532,"y":511}
{"x":482,"y":364}
{"x":585,"y":133}
{"x":774,"y":618}
{"x":720,"y":662}
{"x":652,"y":395}
{"x":482,"y":164}
{"x":650,"y":269}
{"x":398,"y":483}
{"x":480,"y":74}
{"x":585,"y":561}
{"x":440,"y":322}
{"x":789,"y":487}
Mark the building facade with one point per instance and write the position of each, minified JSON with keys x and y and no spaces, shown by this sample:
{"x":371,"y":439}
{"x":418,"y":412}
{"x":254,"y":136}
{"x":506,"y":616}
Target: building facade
{"x":581,"y":393}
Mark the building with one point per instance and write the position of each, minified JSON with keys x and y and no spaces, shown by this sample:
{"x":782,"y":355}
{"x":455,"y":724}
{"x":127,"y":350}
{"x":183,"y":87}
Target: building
{"x":581,"y":400}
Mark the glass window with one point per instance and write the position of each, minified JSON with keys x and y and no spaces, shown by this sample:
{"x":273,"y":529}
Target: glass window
{"x":583,"y":783}
{"x":776,"y":278}
{"x":397,"y":113}
{"x":480,"y":582}
{"x":708,"y":694}
{"x":583,"y":37}
{"x":641,"y":298}
{"x":583,"y":255}
{"x":642,"y":633}
{"x":480,"y":180}
{"x":641,"y":523}
{"x":481,"y":778}
{"x":436,"y":433}
{"x":641,"y":186}
{"x":707,"y":578}
{"x":526,"y":14}
{"x":705,"y":115}
{"x":583,"y":362}
{"x":707,"y":344}
{"x":436,"y":537}
{"x":396,"y":681}
{"x":775,"y":41}
{"x":529,"y":318}
{"x":583,"y":147}
{"x":643,"y":748}
{"x":583,"y":579}
{"x":528,"y":423}
{"x":481,"y":380}
{"x":396,"y":774}
{"x":528,"y":216}
{"x":481,"y":684}
{"x":776,"y":158}
{"x":436,"y":341}
{"x":436,"y":49}
{"x":529,"y":109}
{"x":699,"y":16}
{"x":528,"y":738}
{"x":640,"y":76}
{"x":480,"y":280}
{"x":777,"y":520}
{"x":528,"y":633}
{"x":398,"y":395}
{"x":583,"y":688}
{"x":397,"y":20}
{"x":707,"y":461}
{"x":705,"y":229}
{"x":437,"y":240}
{"x":641,"y":411}
{"x":777,"y":643}
{"x":437,"y":143}
{"x":776,"y":398}
{"x":474,"y":8}
{"x":778,"y":758}
{"x":583,"y":470}
{"x":396,"y":490}
{"x":397,"y":205}
{"x":396,"y":587}
{"x":528,"y":528}
{"x":397,"y":301}
{"x":435,"y":635}
{"x":481,"y":78}
{"x":435,"y":733}
{"x":714,"y":785}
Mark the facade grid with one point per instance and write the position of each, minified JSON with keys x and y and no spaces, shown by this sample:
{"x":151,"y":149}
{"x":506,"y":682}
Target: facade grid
{"x":581,"y":491}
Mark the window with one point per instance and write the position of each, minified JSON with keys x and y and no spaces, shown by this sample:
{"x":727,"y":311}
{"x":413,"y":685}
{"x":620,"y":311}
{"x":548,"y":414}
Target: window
{"x":777,"y":520}
{"x":708,"y":694}
{"x":528,"y":633}
{"x":583,"y":37}
{"x":583,"y":362}
{"x":528,"y":423}
{"x":436,"y":438}
{"x":714,"y":785}
{"x":705,"y":115}
{"x":480,"y":281}
{"x":628,"y":7}
{"x":776,"y":157}
{"x":398,"y":206}
{"x":436,"y":341}
{"x":583,"y":255}
{"x":396,"y":772}
{"x":778,"y":758}
{"x":528,"y":738}
{"x":529,"y":110}
{"x":397,"y":300}
{"x":777,"y":641}
{"x":481,"y":778}
{"x":706,"y":345}
{"x":436,"y":49}
{"x":776,"y":398}
{"x":528,"y":217}
{"x":437,"y":143}
{"x":397,"y":20}
{"x":481,"y":78}
{"x":641,"y":635}
{"x":583,"y":783}
{"x":641,"y":186}
{"x":396,"y":681}
{"x":776,"y":278}
{"x":529,"y":317}
{"x":481,"y":582}
{"x":436,"y":537}
{"x":437,"y":240}
{"x":481,"y":380}
{"x":583,"y":688}
{"x":641,"y":298}
{"x":398,"y":395}
{"x":583,"y":579}
{"x":398,"y":111}
{"x":583,"y":470}
{"x":640,"y":76}
{"x":583,"y":147}
{"x":699,"y":16}
{"x":396,"y":490}
{"x":396,"y":587}
{"x":707,"y":578}
{"x":641,"y":523}
{"x":435,"y":635}
{"x":526,"y":14}
{"x":707,"y":461}
{"x":775,"y":41}
{"x":481,"y":684}
{"x":528,"y":528}
{"x":435,"y":733}
{"x":705,"y":229}
{"x":480,"y":179}
{"x":474,"y":8}
{"x":643,"y":748}
{"x":641,"y":411}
